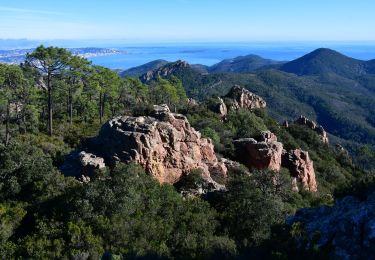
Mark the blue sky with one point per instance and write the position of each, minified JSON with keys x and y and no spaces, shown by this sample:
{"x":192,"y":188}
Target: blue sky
{"x":189,"y":20}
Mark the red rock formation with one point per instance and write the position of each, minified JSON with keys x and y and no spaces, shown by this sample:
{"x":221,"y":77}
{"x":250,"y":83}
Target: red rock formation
{"x":164,"y":144}
{"x":304,"y":121}
{"x":263,"y":153}
{"x":301,"y":168}
{"x":221,"y":108}
{"x":242,"y":98}
{"x":238,"y":98}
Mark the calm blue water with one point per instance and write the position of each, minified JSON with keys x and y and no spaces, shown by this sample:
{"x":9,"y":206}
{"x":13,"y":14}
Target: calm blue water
{"x":209,"y":54}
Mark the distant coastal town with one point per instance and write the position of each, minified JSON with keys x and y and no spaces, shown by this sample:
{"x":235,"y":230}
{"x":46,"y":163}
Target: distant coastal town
{"x":17,"y":56}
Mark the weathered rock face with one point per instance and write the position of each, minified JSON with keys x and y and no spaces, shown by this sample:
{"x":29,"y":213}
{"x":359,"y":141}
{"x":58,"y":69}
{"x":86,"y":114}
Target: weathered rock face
{"x":164,"y":71}
{"x":304,"y":121}
{"x":301,"y":168}
{"x":237,"y":98}
{"x":261,"y":153}
{"x":265,"y":152}
{"x":242,"y":98}
{"x":348,"y":228}
{"x":82,"y":165}
{"x":164,"y":144}
{"x":89,"y":160}
{"x":221,"y":108}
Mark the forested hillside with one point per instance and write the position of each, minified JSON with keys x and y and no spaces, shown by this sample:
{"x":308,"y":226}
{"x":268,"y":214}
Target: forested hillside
{"x":56,"y":104}
{"x":335,"y":90}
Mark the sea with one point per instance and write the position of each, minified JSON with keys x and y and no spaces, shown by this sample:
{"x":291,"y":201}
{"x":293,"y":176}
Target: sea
{"x":211,"y":53}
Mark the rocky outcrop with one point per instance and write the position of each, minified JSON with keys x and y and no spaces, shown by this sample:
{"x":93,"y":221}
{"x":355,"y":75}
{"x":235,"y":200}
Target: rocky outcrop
{"x":164,"y":71}
{"x":164,"y":144}
{"x":242,"y":98}
{"x":237,"y":98}
{"x":232,"y":165}
{"x":301,"y":168}
{"x":304,"y":121}
{"x":264,"y":152}
{"x":221,"y":108}
{"x":347,"y":228}
{"x":191,"y":102}
{"x":81,"y":164}
{"x":89,"y":160}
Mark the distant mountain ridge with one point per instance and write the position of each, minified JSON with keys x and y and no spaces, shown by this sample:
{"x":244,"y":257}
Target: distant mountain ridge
{"x":335,"y":90}
{"x":325,"y":61}
{"x":243,"y":64}
{"x":140,"y":70}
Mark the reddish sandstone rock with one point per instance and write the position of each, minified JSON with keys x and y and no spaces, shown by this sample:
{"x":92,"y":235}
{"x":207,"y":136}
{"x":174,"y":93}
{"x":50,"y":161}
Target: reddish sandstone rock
{"x":304,"y":121}
{"x":164,"y":144}
{"x":261,"y":153}
{"x":237,"y":98}
{"x":221,"y":108}
{"x":301,"y":168}
{"x":242,"y":98}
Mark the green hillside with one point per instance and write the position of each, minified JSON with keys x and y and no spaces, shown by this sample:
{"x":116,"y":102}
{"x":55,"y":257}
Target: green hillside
{"x":325,"y":85}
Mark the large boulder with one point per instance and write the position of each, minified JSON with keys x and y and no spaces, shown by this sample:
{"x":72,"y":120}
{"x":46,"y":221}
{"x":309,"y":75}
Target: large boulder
{"x":89,"y":160}
{"x":264,"y":152}
{"x":347,"y":229}
{"x":304,"y":121}
{"x":81,"y":163}
{"x":164,"y":144}
{"x":301,"y":168}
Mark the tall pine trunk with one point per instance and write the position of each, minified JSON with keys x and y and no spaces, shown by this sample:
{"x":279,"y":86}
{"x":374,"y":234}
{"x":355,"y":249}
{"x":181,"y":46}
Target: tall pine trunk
{"x":70,"y":106}
{"x":50,"y":112}
{"x":100,"y":108}
{"x":7,"y":130}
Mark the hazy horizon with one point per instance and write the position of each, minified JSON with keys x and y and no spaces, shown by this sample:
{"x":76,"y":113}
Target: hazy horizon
{"x":130,"y":55}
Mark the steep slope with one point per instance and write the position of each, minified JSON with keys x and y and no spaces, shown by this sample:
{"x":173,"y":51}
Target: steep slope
{"x":326,"y":61}
{"x":181,"y":69}
{"x":242,"y":64}
{"x":140,"y":70}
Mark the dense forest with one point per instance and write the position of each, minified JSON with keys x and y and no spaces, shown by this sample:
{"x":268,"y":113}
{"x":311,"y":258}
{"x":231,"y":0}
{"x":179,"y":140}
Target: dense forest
{"x":54,"y":101}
